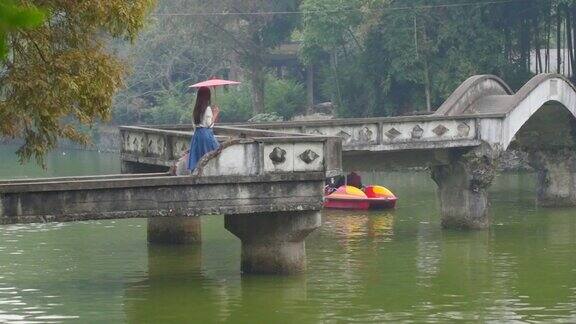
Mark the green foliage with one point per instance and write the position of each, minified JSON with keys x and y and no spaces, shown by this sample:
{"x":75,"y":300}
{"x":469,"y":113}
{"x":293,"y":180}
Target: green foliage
{"x":284,"y":98}
{"x":14,"y":16}
{"x":172,"y":108}
{"x":60,"y":74}
{"x":235,"y":104}
{"x":266,"y":118}
{"x":380,"y":61}
{"x":326,"y":28}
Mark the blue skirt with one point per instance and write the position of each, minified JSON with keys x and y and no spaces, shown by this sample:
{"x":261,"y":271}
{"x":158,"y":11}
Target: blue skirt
{"x":203,"y":142}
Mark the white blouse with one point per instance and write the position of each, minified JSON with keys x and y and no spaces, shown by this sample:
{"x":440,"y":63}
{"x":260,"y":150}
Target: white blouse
{"x":206,"y":120}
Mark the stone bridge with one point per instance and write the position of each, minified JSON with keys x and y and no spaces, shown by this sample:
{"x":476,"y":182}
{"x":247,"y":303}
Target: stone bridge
{"x":462,"y":141}
{"x":268,"y":184}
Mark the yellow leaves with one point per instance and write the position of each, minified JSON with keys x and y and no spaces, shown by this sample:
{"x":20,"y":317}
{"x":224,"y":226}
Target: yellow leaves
{"x":69,"y":132}
{"x":60,"y":72}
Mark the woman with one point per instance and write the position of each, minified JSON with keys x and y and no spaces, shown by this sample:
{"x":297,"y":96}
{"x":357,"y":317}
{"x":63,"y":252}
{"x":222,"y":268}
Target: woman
{"x":203,"y":140}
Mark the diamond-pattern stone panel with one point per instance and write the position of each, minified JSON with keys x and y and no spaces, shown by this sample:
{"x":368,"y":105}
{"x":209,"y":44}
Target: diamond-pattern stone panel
{"x":308,"y":156}
{"x":392,"y":133}
{"x":440,"y":130}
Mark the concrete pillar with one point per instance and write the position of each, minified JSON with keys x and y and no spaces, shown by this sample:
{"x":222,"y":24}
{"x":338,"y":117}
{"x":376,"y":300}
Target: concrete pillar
{"x":273,"y":243}
{"x":462,"y":186}
{"x":556,"y":172}
{"x":174,"y":230}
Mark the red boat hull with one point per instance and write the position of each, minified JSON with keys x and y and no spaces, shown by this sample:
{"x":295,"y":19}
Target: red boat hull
{"x":360,"y":203}
{"x":349,"y":197}
{"x":346,"y":203}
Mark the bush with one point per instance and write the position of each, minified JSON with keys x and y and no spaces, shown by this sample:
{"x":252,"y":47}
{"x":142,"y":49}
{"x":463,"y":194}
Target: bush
{"x":235,"y":103}
{"x":284,"y":98}
{"x":265,"y":118}
{"x":171,"y":108}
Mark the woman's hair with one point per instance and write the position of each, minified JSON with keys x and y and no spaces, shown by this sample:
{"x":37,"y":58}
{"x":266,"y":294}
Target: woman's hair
{"x":202,"y":102}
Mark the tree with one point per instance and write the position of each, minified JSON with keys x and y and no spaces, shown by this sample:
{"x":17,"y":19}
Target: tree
{"x":167,"y":57}
{"x":247,"y":29}
{"x":13,"y":16}
{"x":60,"y":74}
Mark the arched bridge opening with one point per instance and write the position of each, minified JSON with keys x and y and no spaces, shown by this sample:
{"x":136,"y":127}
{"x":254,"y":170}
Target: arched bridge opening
{"x":549,"y":139}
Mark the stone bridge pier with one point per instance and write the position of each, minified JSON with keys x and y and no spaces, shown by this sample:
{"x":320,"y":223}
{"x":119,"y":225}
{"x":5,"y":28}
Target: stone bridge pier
{"x":462,"y":187}
{"x":555,"y":177}
{"x":273,"y":243}
{"x":539,"y":119}
{"x":175,"y":230}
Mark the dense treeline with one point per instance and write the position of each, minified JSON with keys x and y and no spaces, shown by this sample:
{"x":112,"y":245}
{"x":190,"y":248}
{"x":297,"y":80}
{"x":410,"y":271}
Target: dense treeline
{"x":390,"y":61}
{"x":371,"y":58}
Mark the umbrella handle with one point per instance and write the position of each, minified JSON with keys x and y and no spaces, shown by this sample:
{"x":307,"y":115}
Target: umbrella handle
{"x":213,"y":104}
{"x":213,"y":96}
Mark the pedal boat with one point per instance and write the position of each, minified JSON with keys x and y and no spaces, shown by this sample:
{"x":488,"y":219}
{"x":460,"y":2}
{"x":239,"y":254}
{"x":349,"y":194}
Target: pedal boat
{"x":372,"y":197}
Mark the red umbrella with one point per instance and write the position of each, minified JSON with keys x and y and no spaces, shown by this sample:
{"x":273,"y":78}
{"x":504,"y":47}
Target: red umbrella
{"x":213,"y":83}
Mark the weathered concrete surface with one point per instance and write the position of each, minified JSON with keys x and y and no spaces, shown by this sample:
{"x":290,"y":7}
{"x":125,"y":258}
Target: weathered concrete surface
{"x":465,"y":99}
{"x":174,"y":230}
{"x":556,"y":177}
{"x":160,"y":195}
{"x":462,"y":186}
{"x":273,"y":243}
{"x":269,"y":184}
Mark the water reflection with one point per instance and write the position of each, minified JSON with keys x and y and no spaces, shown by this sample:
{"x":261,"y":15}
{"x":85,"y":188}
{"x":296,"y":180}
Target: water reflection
{"x":175,"y":289}
{"x":348,"y":226}
{"x":270,"y":299}
{"x":429,"y":253}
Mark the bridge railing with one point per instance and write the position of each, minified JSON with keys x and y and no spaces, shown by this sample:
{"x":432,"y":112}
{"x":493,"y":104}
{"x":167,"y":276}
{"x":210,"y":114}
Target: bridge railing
{"x":382,"y":133}
{"x":248,"y":152}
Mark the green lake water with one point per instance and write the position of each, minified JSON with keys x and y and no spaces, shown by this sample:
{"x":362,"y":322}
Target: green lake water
{"x":391,"y":266}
